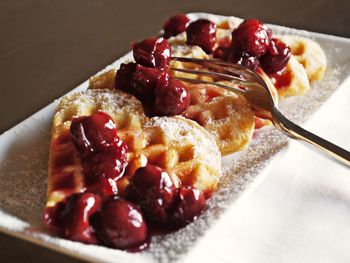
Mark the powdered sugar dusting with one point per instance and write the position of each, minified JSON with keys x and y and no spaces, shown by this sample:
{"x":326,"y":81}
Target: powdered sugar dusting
{"x":179,"y":130}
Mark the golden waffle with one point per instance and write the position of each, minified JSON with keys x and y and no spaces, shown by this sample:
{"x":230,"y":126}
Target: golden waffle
{"x":105,"y":80}
{"x":309,"y":54}
{"x":65,"y":169}
{"x":185,"y":51}
{"x":306,"y":51}
{"x":297,"y":81}
{"x":180,"y":146}
{"x":225,"y":115}
{"x":184,"y":149}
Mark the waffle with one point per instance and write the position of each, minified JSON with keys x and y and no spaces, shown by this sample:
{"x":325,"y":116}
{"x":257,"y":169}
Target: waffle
{"x":105,"y":80}
{"x":184,"y":149}
{"x":180,"y":146}
{"x":309,"y":54}
{"x":301,"y":67}
{"x":225,"y":115}
{"x":64,"y":163}
{"x":228,"y":140}
{"x":182,"y":50}
{"x":298,"y":82}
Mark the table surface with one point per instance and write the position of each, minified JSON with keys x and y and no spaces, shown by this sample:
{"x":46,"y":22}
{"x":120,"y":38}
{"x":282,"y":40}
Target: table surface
{"x":49,"y":47}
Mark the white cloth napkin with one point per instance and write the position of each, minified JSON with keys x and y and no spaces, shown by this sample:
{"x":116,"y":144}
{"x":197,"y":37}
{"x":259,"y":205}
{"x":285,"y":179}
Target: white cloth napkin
{"x":300,"y":212}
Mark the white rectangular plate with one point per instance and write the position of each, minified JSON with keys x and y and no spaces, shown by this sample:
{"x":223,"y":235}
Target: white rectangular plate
{"x":230,"y":229}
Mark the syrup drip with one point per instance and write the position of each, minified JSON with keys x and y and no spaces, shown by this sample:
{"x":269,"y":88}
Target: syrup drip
{"x":281,"y":79}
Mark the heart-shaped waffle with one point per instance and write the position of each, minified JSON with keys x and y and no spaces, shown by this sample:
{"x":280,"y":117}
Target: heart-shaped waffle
{"x":183,"y":148}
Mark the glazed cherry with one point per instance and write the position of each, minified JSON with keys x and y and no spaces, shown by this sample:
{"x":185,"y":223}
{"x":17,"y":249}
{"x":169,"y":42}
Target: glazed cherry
{"x":71,"y":217}
{"x":153,"y":190}
{"x":243,"y":58}
{"x":223,"y":49}
{"x":202,"y":32}
{"x":51,"y":217}
{"x":175,"y":25}
{"x":93,"y":133}
{"x":172,"y":98}
{"x":103,"y":169}
{"x":124,"y":77}
{"x":152,"y":52}
{"x":144,"y":83}
{"x":252,"y":37}
{"x":120,"y":224}
{"x":272,"y":63}
{"x":190,"y":203}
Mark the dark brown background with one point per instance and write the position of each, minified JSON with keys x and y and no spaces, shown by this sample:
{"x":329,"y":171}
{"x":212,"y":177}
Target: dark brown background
{"x":49,"y":47}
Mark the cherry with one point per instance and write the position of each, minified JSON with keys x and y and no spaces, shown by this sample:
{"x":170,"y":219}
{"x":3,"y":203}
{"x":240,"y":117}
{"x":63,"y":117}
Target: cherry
{"x":202,"y":32}
{"x":221,"y":52}
{"x":272,"y":63}
{"x":103,"y":169}
{"x":152,"y":189}
{"x":152,"y":52}
{"x":175,"y":25}
{"x":252,"y":37}
{"x":172,"y":98}
{"x":144,"y":83}
{"x":51,"y":217}
{"x":104,"y":155}
{"x":71,"y":217}
{"x":243,"y":58}
{"x":120,"y":224}
{"x":78,"y":209}
{"x":124,"y":76}
{"x":93,"y":133}
{"x":189,"y":204}
{"x":222,"y":49}
{"x":138,"y":80}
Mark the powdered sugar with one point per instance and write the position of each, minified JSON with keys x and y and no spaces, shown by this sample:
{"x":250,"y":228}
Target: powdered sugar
{"x":179,"y":130}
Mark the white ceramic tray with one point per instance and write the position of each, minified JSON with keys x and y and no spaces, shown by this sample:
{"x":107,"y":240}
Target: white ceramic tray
{"x":236,"y":226}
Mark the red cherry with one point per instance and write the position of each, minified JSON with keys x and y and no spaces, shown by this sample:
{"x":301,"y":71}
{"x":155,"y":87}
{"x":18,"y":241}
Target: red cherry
{"x":124,"y":76}
{"x":71,"y":217}
{"x":93,"y":133}
{"x":120,"y":224}
{"x":172,"y":98}
{"x":252,"y":37}
{"x":243,"y":58}
{"x":152,"y":189}
{"x":222,"y":49}
{"x":78,"y":209}
{"x":144,"y":83}
{"x":175,"y":25}
{"x":272,"y":63}
{"x":152,"y":52}
{"x":190,"y":203}
{"x":103,"y":169}
{"x":221,"y":52}
{"x":202,"y":32}
{"x":51,"y":217}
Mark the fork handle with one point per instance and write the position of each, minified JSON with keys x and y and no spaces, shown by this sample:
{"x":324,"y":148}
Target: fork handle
{"x":293,"y":130}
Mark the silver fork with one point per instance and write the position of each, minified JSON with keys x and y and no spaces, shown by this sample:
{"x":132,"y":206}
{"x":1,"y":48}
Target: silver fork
{"x":257,"y":93}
